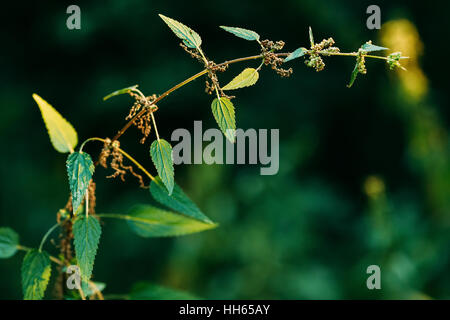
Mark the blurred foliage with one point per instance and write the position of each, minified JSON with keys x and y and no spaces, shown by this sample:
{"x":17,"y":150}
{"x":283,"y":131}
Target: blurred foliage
{"x":364,"y":172}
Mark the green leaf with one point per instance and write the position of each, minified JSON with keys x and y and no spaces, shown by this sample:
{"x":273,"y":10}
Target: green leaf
{"x":148,"y":221}
{"x":242,"y":33}
{"x":300,"y":52}
{"x":354,"y":75}
{"x":147,"y":291}
{"x":369,"y":47}
{"x":246,"y":78}
{"x":311,"y":37}
{"x":62,"y":135}
{"x":86,"y":231}
{"x":36,"y":270}
{"x":178,"y":201}
{"x":118,"y":92}
{"x":223,"y":111}
{"x":79,"y":170}
{"x":190,"y":37}
{"x":9,"y":240}
{"x":161,"y":153}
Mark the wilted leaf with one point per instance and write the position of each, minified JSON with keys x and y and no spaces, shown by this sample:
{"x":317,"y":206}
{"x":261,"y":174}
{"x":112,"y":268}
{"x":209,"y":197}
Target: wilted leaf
{"x":147,"y":291}
{"x":79,"y":170}
{"x":121,"y":91}
{"x":36,"y":270}
{"x":62,"y":135}
{"x":190,"y":37}
{"x":300,"y":52}
{"x":242,"y":33}
{"x":86,"y":231}
{"x":149,"y":221}
{"x":246,"y":78}
{"x":178,"y":201}
{"x":223,"y":111}
{"x":9,"y":240}
{"x":161,"y":153}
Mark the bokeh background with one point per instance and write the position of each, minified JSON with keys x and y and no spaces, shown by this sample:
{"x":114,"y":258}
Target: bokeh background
{"x":364,"y":172}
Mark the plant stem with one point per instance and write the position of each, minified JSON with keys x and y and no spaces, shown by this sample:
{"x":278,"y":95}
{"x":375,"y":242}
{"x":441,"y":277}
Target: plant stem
{"x":154,"y":125}
{"x":46,"y":236}
{"x":114,"y":216}
{"x":19,"y":247}
{"x":126,"y":155}
{"x":183,"y":83}
{"x":87,"y":202}
{"x":349,"y":54}
{"x":137,"y":164}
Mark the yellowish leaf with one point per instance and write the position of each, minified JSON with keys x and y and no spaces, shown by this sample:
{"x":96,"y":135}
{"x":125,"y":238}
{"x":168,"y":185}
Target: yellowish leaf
{"x":62,"y":135}
{"x":246,"y":78}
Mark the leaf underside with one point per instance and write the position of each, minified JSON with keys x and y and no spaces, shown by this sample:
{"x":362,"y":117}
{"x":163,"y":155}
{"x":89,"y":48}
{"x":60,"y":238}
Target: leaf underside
{"x":242,"y":33}
{"x":300,"y":52}
{"x":190,"y":38}
{"x":368,"y":47}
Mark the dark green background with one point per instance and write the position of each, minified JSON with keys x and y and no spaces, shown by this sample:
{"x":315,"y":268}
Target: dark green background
{"x":307,"y":233}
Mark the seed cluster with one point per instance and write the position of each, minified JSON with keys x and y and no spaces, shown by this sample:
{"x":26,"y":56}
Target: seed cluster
{"x":142,"y":122}
{"x":393,"y":60}
{"x":325,"y":47}
{"x":270,"y":58}
{"x":361,"y":61}
{"x":111,"y":149}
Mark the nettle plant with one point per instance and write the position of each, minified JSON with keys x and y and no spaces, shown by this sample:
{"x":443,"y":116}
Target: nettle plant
{"x":78,"y":223}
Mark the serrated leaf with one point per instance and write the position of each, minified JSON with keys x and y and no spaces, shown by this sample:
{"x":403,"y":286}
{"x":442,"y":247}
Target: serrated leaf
{"x":354,"y":75}
{"x":223,"y":111}
{"x":148,"y":221}
{"x":300,"y":52}
{"x":161,"y":153}
{"x":118,"y":92}
{"x":62,"y":135}
{"x":190,"y":37}
{"x":246,"y":78}
{"x":86,"y":231}
{"x":147,"y":291}
{"x":242,"y":33}
{"x":36,"y":270}
{"x":178,"y":201}
{"x":369,"y":47}
{"x":80,"y":169}
{"x":9,"y":240}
